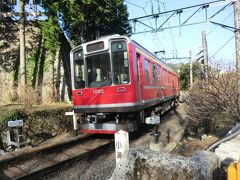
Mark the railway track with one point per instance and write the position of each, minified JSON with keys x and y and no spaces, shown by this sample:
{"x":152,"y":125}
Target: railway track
{"x":39,"y":163}
{"x":53,"y":161}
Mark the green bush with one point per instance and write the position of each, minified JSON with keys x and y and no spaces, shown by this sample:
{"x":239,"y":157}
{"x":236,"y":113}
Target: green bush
{"x":7,"y":114}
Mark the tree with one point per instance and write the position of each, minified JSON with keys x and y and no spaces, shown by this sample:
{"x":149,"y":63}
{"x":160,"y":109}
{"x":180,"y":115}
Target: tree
{"x":185,"y":75}
{"x":85,"y":20}
{"x":69,"y":23}
{"x":213,"y":104}
{"x":82,"y":21}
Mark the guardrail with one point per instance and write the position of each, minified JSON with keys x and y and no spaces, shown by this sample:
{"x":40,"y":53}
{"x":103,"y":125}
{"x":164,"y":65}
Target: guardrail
{"x":234,"y":171}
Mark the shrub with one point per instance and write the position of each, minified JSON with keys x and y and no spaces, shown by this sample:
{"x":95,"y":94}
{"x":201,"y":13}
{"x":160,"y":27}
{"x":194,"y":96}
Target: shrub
{"x":7,"y":114}
{"x":214,"y":103}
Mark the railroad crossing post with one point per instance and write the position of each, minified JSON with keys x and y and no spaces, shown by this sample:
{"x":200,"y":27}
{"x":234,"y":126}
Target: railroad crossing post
{"x":155,"y":120}
{"x":121,"y":144}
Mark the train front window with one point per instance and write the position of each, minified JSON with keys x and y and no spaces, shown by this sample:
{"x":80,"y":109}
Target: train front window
{"x":79,"y":78}
{"x":120,"y":62}
{"x":98,"y":70}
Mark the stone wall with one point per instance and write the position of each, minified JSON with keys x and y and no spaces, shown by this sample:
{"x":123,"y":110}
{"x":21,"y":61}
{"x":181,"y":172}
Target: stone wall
{"x":43,"y":123}
{"x":144,"y":164}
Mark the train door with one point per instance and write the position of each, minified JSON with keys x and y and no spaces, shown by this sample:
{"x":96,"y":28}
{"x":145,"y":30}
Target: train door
{"x":139,"y":77}
{"x":159,"y":82}
{"x":140,"y":115}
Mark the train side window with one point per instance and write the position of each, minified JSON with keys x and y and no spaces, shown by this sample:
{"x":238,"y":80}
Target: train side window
{"x":79,"y":77}
{"x":146,"y":71}
{"x":168,"y":80}
{"x":154,"y":74}
{"x":164,"y":77}
{"x":158,"y":74}
{"x":138,"y":66}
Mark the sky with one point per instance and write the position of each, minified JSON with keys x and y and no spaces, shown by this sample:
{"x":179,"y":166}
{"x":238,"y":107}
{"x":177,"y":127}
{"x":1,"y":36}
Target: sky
{"x":179,"y":41}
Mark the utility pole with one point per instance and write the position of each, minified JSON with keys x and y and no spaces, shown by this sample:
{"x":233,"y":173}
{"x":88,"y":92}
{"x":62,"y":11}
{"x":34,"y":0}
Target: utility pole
{"x":191,"y":68}
{"x":237,"y":37}
{"x":237,"y":43}
{"x":205,"y":55}
{"x":23,"y":78}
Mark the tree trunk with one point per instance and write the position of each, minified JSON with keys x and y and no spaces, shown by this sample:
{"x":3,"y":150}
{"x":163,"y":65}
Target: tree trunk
{"x":23,"y":78}
{"x":65,"y":49}
{"x":40,"y":74}
{"x":57,"y":74}
{"x":36,"y":63}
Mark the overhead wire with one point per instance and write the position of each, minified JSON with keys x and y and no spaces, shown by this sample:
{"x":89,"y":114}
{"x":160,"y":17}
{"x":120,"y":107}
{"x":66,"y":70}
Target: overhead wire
{"x":156,"y":35}
{"x":222,"y":47}
{"x":144,"y":10}
{"x":170,"y":30}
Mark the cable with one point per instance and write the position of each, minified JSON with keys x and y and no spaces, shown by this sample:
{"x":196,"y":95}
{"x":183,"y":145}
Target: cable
{"x":133,"y":4}
{"x":143,"y":8}
{"x":222,"y":47}
{"x":221,"y":22}
{"x":155,"y":33}
{"x":172,"y":39}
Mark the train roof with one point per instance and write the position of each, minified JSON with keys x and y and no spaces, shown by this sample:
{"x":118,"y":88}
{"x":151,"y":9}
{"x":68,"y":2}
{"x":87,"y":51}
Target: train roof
{"x":148,"y":53}
{"x":155,"y":57}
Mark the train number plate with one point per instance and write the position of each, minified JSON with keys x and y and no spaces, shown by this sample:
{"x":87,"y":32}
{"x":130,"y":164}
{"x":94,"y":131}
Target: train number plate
{"x":98,"y":91}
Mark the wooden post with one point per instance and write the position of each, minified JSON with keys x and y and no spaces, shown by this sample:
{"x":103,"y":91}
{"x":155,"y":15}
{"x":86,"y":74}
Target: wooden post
{"x":205,"y":55}
{"x":191,"y":68}
{"x":237,"y":44}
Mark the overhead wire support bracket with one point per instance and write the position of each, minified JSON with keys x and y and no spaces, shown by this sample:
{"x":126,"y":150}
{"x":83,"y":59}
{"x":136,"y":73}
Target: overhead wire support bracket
{"x":225,"y":26}
{"x":145,"y":25}
{"x":191,"y":16}
{"x":166,"y":20}
{"x":229,"y":4}
{"x":161,"y":27}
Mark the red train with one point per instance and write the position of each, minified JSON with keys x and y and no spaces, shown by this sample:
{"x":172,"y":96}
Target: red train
{"x":116,"y":84}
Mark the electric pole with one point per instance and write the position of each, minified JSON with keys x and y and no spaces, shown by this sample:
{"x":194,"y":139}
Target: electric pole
{"x":23,"y":78}
{"x":205,"y":55}
{"x":191,"y":68}
{"x":237,"y":34}
{"x":237,"y":43}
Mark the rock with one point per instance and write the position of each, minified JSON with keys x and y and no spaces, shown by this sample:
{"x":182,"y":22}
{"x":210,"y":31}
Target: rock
{"x":210,"y":136}
{"x":156,"y":146}
{"x":2,"y":152}
{"x":189,"y":138}
{"x":229,"y":151}
{"x":204,"y":137}
{"x":183,"y":96}
{"x":146,"y":164}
